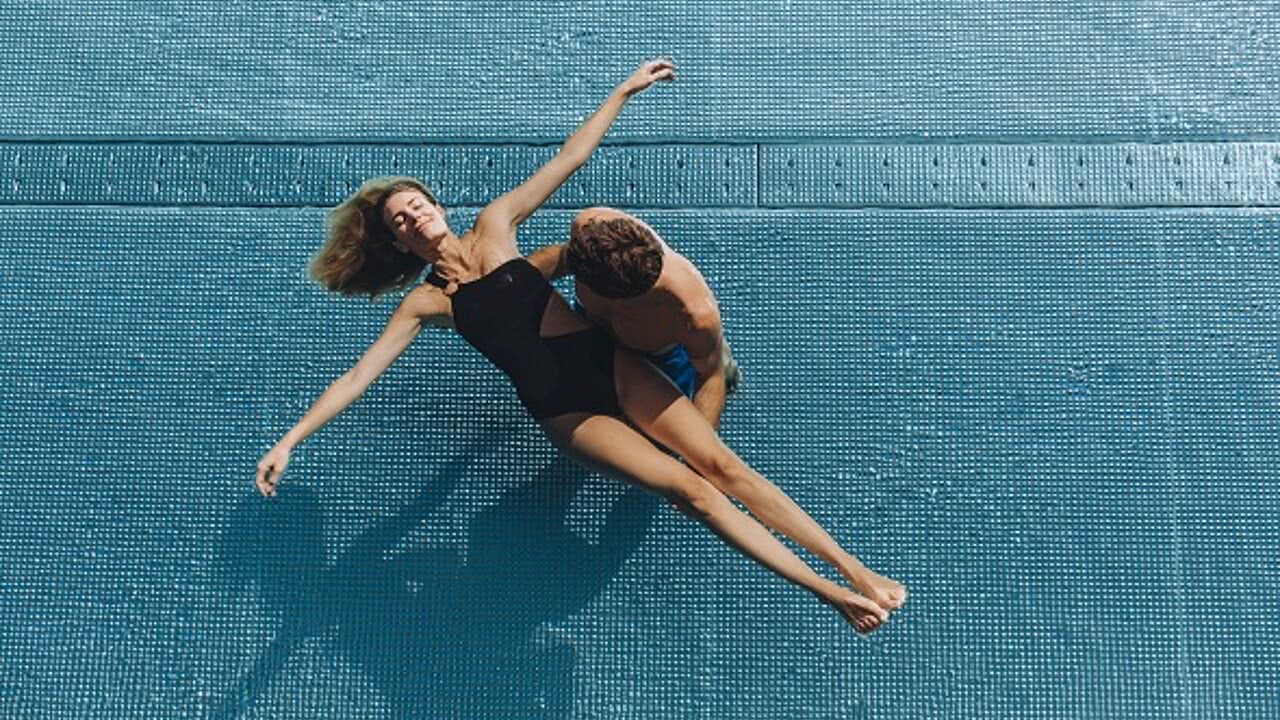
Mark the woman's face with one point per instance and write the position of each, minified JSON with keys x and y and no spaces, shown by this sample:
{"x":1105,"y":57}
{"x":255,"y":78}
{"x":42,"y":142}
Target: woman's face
{"x":417,"y":224}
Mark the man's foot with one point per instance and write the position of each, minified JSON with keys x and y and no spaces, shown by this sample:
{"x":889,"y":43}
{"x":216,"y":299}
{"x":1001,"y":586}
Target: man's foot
{"x":860,"y":612}
{"x":888,"y":594}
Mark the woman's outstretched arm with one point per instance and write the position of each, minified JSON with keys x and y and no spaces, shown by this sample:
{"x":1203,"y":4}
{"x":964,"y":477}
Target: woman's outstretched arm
{"x":420,"y":306}
{"x":513,"y":207}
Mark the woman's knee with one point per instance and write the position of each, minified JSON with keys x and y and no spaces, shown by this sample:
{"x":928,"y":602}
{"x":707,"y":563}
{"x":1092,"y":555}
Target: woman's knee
{"x":695,"y":497}
{"x":720,"y":466}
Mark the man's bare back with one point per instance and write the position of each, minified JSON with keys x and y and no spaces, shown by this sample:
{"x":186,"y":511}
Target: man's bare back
{"x":673,"y":312}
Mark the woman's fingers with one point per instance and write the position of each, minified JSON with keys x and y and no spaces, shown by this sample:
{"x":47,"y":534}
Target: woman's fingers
{"x":266,"y":484}
{"x":653,"y":71}
{"x":270,"y":468}
{"x":267,"y":478}
{"x":662,"y":69}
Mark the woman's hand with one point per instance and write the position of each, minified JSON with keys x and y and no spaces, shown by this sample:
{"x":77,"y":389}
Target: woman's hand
{"x":649,"y":73}
{"x":271,"y":467}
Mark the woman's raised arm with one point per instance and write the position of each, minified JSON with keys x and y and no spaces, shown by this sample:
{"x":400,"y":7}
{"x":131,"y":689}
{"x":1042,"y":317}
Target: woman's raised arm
{"x":421,"y":306}
{"x":518,"y":204}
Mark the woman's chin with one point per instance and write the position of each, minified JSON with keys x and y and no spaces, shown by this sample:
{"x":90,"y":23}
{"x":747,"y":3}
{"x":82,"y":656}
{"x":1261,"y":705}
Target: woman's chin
{"x":426,"y":242}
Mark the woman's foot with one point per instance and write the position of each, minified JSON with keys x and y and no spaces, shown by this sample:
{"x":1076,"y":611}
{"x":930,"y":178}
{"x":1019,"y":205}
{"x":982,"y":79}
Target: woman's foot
{"x":888,"y":594}
{"x":860,"y":612}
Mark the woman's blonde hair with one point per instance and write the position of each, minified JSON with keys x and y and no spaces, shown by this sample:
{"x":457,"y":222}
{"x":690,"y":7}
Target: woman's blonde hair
{"x":358,"y":257}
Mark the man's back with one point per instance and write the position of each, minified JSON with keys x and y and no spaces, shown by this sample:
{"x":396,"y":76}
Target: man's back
{"x":678,"y":310}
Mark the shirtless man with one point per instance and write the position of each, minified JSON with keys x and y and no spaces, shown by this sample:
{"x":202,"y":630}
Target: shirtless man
{"x":651,"y":298}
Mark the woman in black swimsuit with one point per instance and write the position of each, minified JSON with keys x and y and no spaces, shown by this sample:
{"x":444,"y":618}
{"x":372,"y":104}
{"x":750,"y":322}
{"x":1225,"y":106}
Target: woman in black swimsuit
{"x":575,"y":382}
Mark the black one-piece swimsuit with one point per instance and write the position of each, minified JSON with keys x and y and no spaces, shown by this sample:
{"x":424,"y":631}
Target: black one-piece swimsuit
{"x":500,"y":314}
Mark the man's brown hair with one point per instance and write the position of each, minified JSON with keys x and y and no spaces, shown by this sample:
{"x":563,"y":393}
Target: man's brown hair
{"x":616,"y":258}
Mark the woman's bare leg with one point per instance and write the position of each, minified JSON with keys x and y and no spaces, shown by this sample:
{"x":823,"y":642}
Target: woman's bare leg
{"x":666,"y":416}
{"x":611,"y":446}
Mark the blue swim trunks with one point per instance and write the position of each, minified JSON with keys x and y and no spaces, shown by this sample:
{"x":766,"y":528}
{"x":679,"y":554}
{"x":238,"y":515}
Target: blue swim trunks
{"x":673,"y":363}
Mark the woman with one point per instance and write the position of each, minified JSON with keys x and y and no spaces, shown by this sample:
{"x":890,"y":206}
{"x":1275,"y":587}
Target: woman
{"x":592,"y":399}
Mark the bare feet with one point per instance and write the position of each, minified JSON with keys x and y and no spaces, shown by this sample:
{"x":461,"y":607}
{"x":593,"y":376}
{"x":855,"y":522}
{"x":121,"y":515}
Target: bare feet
{"x":860,"y":612}
{"x":888,"y":594}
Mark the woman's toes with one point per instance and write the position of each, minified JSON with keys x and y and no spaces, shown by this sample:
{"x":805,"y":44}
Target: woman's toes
{"x":864,"y":614}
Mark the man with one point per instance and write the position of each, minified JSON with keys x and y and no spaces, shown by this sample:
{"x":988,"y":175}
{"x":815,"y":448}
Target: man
{"x":651,"y":298}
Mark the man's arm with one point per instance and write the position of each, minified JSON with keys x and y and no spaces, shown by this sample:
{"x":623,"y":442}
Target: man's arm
{"x":550,"y":260}
{"x":705,"y":345}
{"x":709,"y":396}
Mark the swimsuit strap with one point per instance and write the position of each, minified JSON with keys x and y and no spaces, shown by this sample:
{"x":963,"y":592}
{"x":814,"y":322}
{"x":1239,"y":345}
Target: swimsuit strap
{"x":436,"y":280}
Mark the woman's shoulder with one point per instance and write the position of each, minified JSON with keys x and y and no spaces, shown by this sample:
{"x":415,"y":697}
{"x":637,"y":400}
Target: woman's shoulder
{"x":427,"y":303}
{"x":493,"y":230}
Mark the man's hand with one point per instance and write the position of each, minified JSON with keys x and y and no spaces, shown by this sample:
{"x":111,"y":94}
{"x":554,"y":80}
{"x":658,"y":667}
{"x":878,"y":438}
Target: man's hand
{"x":729,"y":366}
